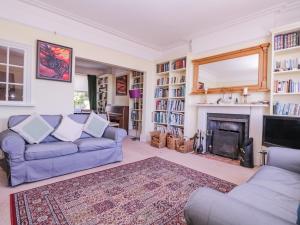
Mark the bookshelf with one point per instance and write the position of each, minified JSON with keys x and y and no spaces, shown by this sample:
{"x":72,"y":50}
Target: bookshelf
{"x":170,"y":93}
{"x":104,"y":85}
{"x":285,"y":76}
{"x":136,"y":105}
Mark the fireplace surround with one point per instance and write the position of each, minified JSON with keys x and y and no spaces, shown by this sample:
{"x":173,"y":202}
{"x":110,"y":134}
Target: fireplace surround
{"x":226,"y":133}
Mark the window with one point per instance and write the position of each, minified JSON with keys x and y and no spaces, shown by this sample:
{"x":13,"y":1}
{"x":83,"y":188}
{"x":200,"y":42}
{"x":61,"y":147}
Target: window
{"x":13,"y":82}
{"x":81,"y":101}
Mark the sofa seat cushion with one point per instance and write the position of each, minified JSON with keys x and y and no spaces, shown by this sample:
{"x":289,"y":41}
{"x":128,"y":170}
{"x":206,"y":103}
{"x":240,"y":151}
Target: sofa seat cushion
{"x":278,"y":180}
{"x":49,"y":150}
{"x":94,"y":144}
{"x":267,"y":200}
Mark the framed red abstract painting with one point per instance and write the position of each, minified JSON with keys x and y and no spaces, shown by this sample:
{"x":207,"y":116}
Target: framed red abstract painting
{"x":54,"y":62}
{"x":121,"y":85}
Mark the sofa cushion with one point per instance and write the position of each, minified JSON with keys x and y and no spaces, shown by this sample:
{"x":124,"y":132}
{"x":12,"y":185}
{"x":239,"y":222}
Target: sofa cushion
{"x":33,"y":129}
{"x":278,"y":180}
{"x":267,"y":200}
{"x":95,"y":125}
{"x":68,"y":130}
{"x":49,"y":150}
{"x":94,"y":144}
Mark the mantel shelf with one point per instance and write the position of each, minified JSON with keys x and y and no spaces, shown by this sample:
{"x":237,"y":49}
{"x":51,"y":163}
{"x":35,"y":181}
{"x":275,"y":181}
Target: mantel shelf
{"x":230,"y":105}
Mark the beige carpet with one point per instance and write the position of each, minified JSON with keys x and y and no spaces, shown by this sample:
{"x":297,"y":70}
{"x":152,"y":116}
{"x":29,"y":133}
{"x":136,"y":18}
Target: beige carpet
{"x":135,"y":151}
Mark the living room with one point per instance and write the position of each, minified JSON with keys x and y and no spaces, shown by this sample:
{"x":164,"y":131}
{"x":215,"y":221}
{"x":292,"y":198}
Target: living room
{"x":135,"y":112}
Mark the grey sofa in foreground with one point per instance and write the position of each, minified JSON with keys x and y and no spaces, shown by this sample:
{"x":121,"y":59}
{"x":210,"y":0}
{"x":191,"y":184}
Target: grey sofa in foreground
{"x":52,"y":157}
{"x":270,"y":197}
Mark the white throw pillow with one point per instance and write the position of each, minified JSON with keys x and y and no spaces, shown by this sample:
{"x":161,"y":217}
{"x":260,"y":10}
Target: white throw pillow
{"x":68,"y":130}
{"x":33,"y":129}
{"x":95,"y":125}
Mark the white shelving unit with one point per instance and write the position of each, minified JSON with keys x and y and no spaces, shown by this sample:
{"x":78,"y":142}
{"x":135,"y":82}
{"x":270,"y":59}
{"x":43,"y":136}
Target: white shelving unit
{"x":104,"y":92}
{"x":136,"y":106}
{"x":172,"y":78}
{"x":287,"y":101}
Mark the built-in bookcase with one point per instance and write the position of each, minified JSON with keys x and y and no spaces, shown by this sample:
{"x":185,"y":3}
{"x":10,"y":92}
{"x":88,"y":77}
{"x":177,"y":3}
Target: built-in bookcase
{"x":285,"y":78}
{"x":170,"y":93}
{"x":136,"y":105}
{"x":104,"y":84}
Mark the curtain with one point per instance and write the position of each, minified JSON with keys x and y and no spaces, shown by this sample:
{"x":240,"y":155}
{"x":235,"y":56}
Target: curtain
{"x":92,"y":91}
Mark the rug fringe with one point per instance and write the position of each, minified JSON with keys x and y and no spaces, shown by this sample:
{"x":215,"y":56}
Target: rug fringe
{"x":13,"y":218}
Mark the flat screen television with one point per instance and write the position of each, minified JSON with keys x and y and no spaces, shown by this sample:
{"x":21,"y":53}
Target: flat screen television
{"x":281,"y":131}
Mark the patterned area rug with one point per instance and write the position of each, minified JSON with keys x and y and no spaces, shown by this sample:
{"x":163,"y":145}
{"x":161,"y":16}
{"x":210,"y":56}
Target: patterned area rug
{"x":151,"y":191}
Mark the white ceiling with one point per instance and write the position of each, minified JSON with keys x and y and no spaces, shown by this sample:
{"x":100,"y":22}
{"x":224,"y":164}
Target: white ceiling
{"x":160,"y":24}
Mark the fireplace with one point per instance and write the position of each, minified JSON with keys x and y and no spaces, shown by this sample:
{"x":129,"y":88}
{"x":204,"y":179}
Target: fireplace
{"x":226,"y":134}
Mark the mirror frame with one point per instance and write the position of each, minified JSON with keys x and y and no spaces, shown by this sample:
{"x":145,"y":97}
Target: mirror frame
{"x":261,"y":50}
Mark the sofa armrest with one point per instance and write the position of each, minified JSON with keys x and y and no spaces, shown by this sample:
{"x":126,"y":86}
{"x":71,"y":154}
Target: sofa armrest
{"x":210,"y":207}
{"x":116,"y":134}
{"x":285,"y":158}
{"x":12,"y":144}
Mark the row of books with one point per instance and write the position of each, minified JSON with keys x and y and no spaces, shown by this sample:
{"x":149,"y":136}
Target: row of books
{"x":162,"y":81}
{"x":102,"y":80}
{"x":175,"y":105}
{"x":160,"y":68}
{"x":286,"y":109}
{"x":179,"y":64}
{"x":137,"y":73}
{"x":287,"y":64}
{"x":160,"y":117}
{"x":171,"y":118}
{"x":178,"y":92}
{"x":161,"y":92}
{"x":177,"y":131}
{"x":138,"y":104}
{"x":288,"y":86}
{"x":176,"y":119}
{"x":176,"y":80}
{"x":289,"y":40}
{"x":137,"y":86}
{"x":136,"y":115}
{"x":161,"y":104}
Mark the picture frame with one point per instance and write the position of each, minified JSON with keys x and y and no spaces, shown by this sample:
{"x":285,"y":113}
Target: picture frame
{"x":54,"y":62}
{"x":121,"y":85}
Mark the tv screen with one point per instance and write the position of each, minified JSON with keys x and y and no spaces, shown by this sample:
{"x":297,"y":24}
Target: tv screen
{"x":281,"y":131}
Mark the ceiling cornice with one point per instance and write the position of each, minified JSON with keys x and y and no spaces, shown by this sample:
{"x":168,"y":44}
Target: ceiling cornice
{"x":279,"y":8}
{"x":88,"y":22}
{"x":276,"y":9}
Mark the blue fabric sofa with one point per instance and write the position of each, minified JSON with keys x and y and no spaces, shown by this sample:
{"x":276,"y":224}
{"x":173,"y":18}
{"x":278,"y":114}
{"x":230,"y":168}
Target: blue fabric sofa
{"x":271,"y":196}
{"x":52,"y":157}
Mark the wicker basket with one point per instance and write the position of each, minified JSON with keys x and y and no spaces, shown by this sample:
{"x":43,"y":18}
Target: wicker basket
{"x":184,"y":146}
{"x":171,"y":141}
{"x":158,"y":139}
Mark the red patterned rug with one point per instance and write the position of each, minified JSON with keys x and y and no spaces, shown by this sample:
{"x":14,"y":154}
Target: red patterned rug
{"x":151,"y":191}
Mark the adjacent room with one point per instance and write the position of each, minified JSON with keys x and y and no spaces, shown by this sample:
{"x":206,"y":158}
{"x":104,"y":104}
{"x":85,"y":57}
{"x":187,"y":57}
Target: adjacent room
{"x":150,"y":112}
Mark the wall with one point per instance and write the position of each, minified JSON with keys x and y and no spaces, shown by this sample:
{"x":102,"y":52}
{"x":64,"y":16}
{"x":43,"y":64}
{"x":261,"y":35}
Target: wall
{"x":50,"y":97}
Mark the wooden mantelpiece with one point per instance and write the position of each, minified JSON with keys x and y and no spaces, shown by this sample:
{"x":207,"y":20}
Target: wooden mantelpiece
{"x":261,"y":86}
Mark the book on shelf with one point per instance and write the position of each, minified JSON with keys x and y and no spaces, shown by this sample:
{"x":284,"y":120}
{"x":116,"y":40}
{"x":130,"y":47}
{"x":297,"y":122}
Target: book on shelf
{"x":175,"y":105}
{"x":286,"y":86}
{"x":160,"y":68}
{"x":176,"y":119}
{"x":162,"y":81}
{"x":287,"y":65}
{"x":286,"y":109}
{"x":161,"y":104}
{"x":179,"y":64}
{"x":160,"y":117}
{"x":176,"y":80}
{"x":177,"y":131}
{"x":161,"y":92}
{"x":178,"y":92}
{"x":289,"y":40}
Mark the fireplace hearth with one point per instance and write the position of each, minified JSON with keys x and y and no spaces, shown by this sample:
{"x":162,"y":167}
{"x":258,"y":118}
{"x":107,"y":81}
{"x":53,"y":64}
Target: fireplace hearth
{"x":226,"y":134}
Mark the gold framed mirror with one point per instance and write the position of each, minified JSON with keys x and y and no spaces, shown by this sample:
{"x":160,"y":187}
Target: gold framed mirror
{"x":232,"y":71}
